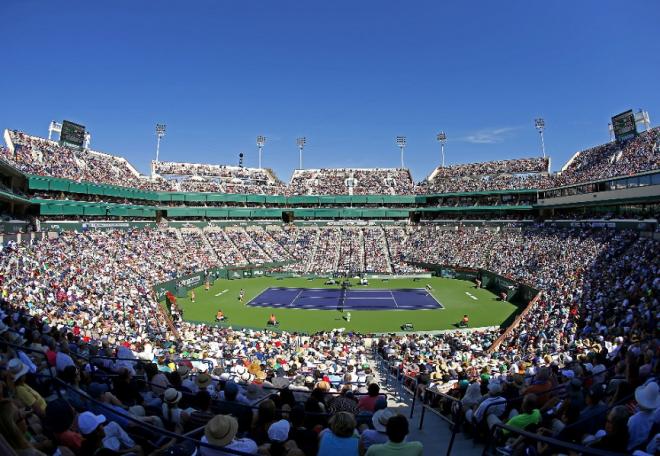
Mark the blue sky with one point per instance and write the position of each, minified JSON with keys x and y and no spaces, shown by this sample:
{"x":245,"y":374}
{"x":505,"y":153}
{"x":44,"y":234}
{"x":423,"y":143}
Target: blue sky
{"x":348,"y":75}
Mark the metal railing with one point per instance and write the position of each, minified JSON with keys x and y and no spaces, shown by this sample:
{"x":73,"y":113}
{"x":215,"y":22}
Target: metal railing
{"x":396,"y":379}
{"x":550,"y":441}
{"x":150,"y":427}
{"x":455,"y":419}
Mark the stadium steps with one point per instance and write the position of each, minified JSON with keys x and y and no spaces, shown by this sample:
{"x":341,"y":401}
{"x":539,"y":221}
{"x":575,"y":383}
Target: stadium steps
{"x":436,"y":433}
{"x":338,"y":251}
{"x":271,"y":228}
{"x":225,"y":244}
{"x":268,"y":250}
{"x":388,"y":251}
{"x":209,"y":247}
{"x":385,"y":247}
{"x":254,"y":243}
{"x":231,"y":242}
{"x":314,"y":249}
{"x":363,"y":267}
{"x":198,"y":233}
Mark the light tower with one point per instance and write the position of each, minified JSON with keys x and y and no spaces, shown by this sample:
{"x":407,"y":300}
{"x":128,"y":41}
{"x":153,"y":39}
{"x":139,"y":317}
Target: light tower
{"x":442,"y":138}
{"x":261,"y":141}
{"x":160,"y":132}
{"x":539,"y":124}
{"x":301,"y":145}
{"x":401,"y":142}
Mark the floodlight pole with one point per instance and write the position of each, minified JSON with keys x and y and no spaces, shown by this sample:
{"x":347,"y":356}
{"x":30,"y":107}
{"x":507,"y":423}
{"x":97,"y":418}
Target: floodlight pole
{"x":301,"y":145}
{"x":261,"y":141}
{"x":442,"y":137}
{"x":160,"y":132}
{"x":539,"y":124}
{"x":401,"y":142}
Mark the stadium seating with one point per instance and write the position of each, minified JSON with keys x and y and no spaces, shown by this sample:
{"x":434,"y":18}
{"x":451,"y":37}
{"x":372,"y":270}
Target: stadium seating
{"x":197,"y":177}
{"x":642,"y":153}
{"x":494,"y":175}
{"x":80,"y":320}
{"x":78,"y":295}
{"x":42,"y":157}
{"x":343,"y":181}
{"x":46,"y":158}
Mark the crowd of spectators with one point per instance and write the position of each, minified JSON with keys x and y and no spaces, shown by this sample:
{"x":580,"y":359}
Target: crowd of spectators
{"x":382,"y":182}
{"x":351,"y":250}
{"x":298,"y":242}
{"x":263,"y":238}
{"x":83,"y":295}
{"x":43,"y":157}
{"x":584,"y":352}
{"x":397,"y":239}
{"x":228,"y":253}
{"x":238,"y":174}
{"x":325,"y":254}
{"x":194,"y":238}
{"x":199,"y":177}
{"x":483,"y":183}
{"x":348,"y":181}
{"x":195,"y":184}
{"x":495,"y":167}
{"x":375,"y":250}
{"x":47,"y":158}
{"x":639,"y":154}
{"x":520,"y":173}
{"x":587,"y":344}
{"x":248,"y":247}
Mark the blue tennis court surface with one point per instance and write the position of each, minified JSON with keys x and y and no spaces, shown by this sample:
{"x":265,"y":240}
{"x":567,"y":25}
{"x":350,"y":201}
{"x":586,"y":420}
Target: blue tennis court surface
{"x":334,"y":299}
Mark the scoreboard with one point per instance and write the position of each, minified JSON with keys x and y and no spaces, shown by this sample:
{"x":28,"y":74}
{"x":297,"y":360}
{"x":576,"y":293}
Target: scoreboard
{"x":624,"y":126}
{"x":72,"y":134}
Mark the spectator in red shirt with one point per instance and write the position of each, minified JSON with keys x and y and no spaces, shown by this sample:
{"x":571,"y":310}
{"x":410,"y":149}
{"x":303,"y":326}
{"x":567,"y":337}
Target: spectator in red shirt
{"x":368,"y":403}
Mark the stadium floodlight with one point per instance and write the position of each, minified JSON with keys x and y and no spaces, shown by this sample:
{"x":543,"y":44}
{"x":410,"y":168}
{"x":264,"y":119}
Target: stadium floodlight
{"x":539,"y":124}
{"x":160,"y":132}
{"x":261,"y":142}
{"x":442,"y":138}
{"x":401,"y":142}
{"x":301,"y":145}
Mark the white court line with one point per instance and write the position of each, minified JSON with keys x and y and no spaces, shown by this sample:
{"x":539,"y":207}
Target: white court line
{"x":258,"y":294}
{"x":345,"y":299}
{"x":298,"y":295}
{"x":471,"y":295}
{"x":222,"y":292}
{"x":372,"y":298}
{"x":394,"y":299}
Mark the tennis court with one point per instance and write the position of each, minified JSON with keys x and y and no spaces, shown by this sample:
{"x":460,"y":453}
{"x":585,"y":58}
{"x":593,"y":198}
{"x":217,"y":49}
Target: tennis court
{"x":346,"y":299}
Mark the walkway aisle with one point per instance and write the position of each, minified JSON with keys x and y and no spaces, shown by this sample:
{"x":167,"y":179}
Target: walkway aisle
{"x":436,"y":433}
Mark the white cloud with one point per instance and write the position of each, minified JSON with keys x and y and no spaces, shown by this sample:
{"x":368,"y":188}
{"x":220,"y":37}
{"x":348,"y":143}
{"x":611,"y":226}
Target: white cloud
{"x":489,"y":135}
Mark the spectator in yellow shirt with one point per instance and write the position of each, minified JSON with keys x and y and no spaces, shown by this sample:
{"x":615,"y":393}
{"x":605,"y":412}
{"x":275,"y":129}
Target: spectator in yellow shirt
{"x":27,"y":396}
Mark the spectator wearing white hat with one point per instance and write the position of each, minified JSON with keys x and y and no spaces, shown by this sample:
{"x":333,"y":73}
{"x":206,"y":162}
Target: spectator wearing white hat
{"x":379,"y":433}
{"x":279,"y":442}
{"x":221,"y":431}
{"x":99,"y":433}
{"x":173,"y":417}
{"x":641,"y":423}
